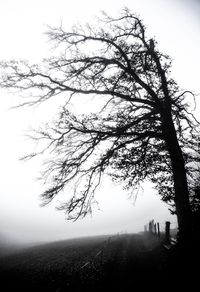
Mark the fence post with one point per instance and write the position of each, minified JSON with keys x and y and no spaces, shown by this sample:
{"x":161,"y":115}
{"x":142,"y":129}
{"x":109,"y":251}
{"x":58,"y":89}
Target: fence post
{"x":158,"y":229}
{"x":167,"y":232}
{"x":151,"y":227}
{"x":155,"y":229}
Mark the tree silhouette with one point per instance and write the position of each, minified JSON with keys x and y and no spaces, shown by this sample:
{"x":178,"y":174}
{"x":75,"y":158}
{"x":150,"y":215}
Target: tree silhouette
{"x":142,"y":129}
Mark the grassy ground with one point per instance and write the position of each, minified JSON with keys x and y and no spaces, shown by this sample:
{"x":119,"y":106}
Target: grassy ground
{"x":102,"y":263}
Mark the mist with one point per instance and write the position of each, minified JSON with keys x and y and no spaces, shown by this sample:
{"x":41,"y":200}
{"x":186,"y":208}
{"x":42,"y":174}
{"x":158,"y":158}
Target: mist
{"x":22,"y":220}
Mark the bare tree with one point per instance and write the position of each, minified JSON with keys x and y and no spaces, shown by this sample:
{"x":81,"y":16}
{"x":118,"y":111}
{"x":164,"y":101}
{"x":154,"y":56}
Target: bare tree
{"x":142,"y":130}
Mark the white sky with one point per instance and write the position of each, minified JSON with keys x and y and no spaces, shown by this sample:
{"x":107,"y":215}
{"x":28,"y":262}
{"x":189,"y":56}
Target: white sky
{"x":174,"y":23}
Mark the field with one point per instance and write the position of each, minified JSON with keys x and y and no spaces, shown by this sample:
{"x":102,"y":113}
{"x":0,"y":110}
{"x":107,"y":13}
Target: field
{"x":99,"y":263}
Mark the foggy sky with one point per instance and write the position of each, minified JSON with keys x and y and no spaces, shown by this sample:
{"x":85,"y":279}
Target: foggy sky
{"x":175,"y":25}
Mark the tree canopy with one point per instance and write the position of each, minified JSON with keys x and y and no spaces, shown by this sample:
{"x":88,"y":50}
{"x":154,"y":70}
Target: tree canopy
{"x":142,"y":127}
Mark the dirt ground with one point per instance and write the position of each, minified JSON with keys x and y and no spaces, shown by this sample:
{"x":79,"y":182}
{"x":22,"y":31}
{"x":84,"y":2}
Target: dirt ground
{"x":109,"y":263}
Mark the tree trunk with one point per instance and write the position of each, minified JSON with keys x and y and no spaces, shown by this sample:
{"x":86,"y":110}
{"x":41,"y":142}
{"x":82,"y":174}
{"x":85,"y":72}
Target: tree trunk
{"x":180,"y":180}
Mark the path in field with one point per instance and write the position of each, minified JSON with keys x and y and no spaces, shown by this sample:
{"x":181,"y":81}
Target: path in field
{"x":91,"y":264}
{"x":131,"y":260}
